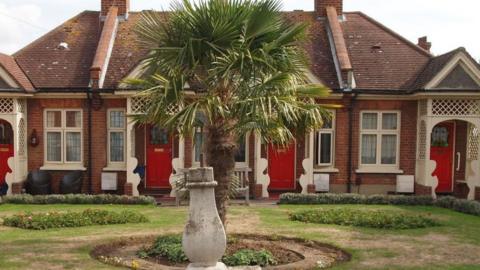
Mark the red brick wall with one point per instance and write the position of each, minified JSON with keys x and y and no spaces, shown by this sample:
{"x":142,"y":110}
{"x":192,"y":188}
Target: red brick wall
{"x":123,"y":6}
{"x":36,"y":108}
{"x":422,"y":190}
{"x":320,"y":6}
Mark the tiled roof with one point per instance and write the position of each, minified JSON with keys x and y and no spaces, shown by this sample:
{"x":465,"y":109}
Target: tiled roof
{"x":8,"y":63}
{"x":381,"y":59}
{"x":49,"y":65}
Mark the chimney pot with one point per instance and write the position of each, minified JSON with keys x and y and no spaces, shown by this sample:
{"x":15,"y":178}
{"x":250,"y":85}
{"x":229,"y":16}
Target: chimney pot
{"x":321,"y":5}
{"x":123,"y":7}
{"x":424,"y":43}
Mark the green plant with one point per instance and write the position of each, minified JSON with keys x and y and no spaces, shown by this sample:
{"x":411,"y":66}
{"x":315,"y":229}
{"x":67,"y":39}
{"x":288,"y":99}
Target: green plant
{"x":170,"y":247}
{"x":43,"y":221}
{"x":250,"y":257}
{"x":79,"y":199}
{"x":364,"y":218}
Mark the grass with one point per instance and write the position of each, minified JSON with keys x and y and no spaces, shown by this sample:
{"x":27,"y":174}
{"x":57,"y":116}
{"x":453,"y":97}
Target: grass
{"x":455,"y":245}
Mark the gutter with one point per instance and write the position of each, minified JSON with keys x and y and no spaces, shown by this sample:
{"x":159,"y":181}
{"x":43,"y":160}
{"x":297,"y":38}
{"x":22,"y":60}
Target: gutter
{"x":89,"y":124}
{"x":351,"y":108}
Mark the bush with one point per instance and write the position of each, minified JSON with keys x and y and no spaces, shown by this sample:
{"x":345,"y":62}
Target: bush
{"x":452,"y":203}
{"x":89,"y":217}
{"x":364,"y":218}
{"x":329,"y":198}
{"x":250,"y":257}
{"x":79,"y":199}
{"x":170,"y":247}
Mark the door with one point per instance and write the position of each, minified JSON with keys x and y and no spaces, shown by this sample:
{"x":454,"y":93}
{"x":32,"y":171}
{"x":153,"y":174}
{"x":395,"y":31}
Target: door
{"x":281,"y":167}
{"x":159,"y":157}
{"x":441,"y":152}
{"x":6,"y":149}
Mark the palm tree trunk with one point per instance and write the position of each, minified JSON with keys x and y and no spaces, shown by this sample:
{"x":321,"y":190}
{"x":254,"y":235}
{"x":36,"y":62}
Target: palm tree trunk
{"x":220,"y":148}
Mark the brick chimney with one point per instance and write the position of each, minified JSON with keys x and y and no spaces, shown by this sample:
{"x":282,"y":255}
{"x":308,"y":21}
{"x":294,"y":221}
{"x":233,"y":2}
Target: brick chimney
{"x":123,"y":7}
{"x":321,"y":5}
{"x":424,"y":44}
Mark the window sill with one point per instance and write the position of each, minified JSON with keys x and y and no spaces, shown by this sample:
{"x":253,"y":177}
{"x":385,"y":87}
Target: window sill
{"x":326,"y":170}
{"x":380,"y":170}
{"x":63,"y":167}
{"x":115,"y":168}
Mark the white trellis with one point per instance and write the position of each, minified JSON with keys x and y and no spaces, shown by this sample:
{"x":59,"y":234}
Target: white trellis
{"x":6,"y":105}
{"x":456,"y":107}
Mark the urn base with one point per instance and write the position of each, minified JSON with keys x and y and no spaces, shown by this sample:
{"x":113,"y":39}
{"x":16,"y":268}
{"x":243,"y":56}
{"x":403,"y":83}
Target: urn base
{"x":196,"y":266}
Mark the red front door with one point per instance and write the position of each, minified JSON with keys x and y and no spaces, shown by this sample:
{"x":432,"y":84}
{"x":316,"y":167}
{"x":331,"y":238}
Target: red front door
{"x":281,"y":167}
{"x":159,"y":157}
{"x":442,"y":152}
{"x":6,"y":151}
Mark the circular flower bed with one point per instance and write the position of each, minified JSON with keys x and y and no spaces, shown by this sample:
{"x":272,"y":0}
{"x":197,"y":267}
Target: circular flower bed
{"x":270,"y":252}
{"x":379,"y":219}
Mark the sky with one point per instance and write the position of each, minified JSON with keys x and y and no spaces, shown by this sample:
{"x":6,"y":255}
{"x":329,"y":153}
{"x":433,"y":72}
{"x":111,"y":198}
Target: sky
{"x":449,"y":24}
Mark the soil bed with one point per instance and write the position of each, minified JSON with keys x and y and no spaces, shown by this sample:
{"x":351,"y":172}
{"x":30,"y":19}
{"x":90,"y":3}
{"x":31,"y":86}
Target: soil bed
{"x":290,"y":253}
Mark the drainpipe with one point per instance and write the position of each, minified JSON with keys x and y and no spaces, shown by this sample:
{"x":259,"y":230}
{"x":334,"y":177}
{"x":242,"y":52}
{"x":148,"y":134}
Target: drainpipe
{"x":89,"y":163}
{"x":351,"y":108}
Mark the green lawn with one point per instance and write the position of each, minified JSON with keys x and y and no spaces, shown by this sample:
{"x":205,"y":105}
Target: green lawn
{"x":454,"y":245}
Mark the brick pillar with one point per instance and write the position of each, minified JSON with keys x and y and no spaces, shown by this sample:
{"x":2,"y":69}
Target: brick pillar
{"x":17,"y":188}
{"x":311,"y":188}
{"x":128,"y":189}
{"x":257,"y":192}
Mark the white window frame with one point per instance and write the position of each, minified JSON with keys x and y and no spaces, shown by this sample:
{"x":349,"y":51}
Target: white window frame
{"x":110,"y":129}
{"x":63,"y":129}
{"x":238,"y":165}
{"x":379,"y":132}
{"x":196,"y":163}
{"x":317,"y":149}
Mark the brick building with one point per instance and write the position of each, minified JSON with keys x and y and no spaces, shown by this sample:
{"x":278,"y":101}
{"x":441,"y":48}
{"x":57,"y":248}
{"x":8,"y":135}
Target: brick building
{"x":409,"y":121}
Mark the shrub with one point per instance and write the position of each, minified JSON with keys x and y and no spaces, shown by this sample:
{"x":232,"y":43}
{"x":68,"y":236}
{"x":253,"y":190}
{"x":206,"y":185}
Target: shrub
{"x":43,"y":221}
{"x":364,"y":218}
{"x":79,"y":199}
{"x":170,"y":247}
{"x":329,"y":198}
{"x":452,"y":203}
{"x":250,"y":257}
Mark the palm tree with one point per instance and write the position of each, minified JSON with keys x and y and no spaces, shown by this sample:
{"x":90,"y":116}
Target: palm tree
{"x":237,"y":63}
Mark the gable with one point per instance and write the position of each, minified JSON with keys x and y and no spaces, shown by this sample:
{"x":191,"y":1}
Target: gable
{"x":4,"y":84}
{"x":458,"y":78}
{"x":6,"y":81}
{"x":460,"y":72}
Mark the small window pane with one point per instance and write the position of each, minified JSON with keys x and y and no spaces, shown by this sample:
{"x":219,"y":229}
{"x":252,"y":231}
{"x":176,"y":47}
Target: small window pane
{"x":241,"y":155}
{"x":369,"y":121}
{"x":369,"y":149}
{"x":325,"y":148}
{"x":74,"y":147}
{"x":328,"y":123}
{"x":389,"y":121}
{"x":54,"y":119}
{"x":117,"y":119}
{"x":389,"y":149}
{"x":117,"y":142}
{"x":74,"y":119}
{"x":54,"y":146}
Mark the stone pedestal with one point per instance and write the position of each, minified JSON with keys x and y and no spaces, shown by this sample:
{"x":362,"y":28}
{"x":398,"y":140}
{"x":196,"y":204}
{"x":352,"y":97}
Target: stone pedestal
{"x":204,"y":239}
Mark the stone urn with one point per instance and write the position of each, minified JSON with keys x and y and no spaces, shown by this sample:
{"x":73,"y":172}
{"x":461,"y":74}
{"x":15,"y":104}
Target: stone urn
{"x":204,"y":240}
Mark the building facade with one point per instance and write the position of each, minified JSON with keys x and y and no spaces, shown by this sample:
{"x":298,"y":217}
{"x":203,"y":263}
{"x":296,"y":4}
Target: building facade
{"x":409,"y":121}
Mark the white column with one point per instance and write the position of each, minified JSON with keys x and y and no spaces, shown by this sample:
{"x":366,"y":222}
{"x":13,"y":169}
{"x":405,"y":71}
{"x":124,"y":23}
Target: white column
{"x":261,"y":165}
{"x":177,"y":164}
{"x":307,"y":163}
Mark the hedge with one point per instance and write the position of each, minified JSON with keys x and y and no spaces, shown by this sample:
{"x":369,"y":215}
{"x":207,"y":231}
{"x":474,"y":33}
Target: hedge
{"x":459,"y":205}
{"x":78,"y":199}
{"x":89,"y":217}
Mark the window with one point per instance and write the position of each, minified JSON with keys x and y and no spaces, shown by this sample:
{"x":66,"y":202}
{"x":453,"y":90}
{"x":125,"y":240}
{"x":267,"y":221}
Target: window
{"x":241,"y":157}
{"x":198,"y":141}
{"x":63,"y":133}
{"x":379,"y":138}
{"x":324,"y":143}
{"x":116,"y":136}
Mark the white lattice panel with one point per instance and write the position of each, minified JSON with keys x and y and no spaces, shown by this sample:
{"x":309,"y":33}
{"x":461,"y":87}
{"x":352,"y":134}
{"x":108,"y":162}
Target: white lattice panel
{"x":138,"y":105}
{"x":455,"y":107}
{"x":21,"y":105}
{"x":21,"y":137}
{"x":6,"y":105}
{"x":422,"y":141}
{"x":473,"y":143}
{"x":423,"y":107}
